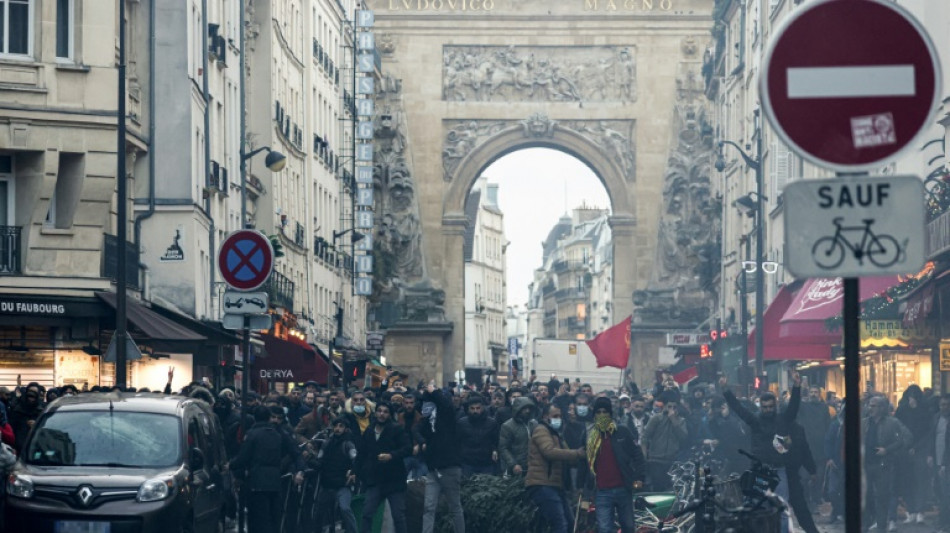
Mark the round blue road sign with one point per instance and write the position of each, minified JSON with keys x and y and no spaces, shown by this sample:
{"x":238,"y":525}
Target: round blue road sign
{"x":246,"y":259}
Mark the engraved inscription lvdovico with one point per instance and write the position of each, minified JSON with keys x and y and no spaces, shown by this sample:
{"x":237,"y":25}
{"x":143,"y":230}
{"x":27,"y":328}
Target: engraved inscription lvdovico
{"x":489,"y":5}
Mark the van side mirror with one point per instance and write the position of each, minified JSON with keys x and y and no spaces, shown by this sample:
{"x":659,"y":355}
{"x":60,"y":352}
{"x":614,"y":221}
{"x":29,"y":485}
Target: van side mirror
{"x":197,"y":460}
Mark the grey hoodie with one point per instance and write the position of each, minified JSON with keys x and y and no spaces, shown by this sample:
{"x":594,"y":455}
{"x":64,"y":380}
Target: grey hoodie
{"x":514,"y":438}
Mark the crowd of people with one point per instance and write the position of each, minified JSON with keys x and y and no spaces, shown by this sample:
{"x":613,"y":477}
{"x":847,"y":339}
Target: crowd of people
{"x":568,"y":443}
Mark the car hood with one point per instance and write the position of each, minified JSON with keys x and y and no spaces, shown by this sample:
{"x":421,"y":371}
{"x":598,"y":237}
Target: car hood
{"x":96,"y":476}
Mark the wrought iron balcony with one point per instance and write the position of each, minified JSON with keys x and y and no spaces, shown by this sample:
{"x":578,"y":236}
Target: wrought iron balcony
{"x":10,"y":249}
{"x":281,"y":290}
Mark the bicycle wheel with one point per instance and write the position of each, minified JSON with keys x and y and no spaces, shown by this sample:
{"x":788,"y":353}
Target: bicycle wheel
{"x":884,"y":251}
{"x":828,"y":252}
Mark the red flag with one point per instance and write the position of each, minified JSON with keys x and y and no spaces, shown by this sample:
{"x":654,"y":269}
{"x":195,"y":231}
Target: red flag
{"x":612,"y":346}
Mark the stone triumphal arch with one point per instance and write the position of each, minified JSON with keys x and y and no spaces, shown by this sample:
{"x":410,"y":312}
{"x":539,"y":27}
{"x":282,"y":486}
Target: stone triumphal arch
{"x":616,"y":83}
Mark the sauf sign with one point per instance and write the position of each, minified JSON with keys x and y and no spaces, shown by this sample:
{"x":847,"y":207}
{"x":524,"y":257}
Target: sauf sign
{"x":854,"y":226}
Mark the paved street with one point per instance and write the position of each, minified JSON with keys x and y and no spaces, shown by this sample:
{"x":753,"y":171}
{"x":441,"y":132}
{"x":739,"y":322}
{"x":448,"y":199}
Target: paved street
{"x":838,"y":527}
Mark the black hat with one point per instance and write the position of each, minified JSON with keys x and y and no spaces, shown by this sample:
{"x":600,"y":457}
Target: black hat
{"x":603,"y":403}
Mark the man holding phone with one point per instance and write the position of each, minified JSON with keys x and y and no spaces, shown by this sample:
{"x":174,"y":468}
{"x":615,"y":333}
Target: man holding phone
{"x":663,"y":438}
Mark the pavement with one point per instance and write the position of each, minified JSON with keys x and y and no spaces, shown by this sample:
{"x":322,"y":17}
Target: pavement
{"x":821,"y":517}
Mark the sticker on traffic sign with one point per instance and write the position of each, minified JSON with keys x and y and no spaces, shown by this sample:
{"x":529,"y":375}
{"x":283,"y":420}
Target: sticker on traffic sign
{"x":848,"y":84}
{"x":246,"y":259}
{"x":245,"y":303}
{"x":854,"y":226}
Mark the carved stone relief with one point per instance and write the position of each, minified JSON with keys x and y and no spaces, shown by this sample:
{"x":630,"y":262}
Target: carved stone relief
{"x":539,"y":73}
{"x":616,"y":137}
{"x":400,"y":276}
{"x":689,"y":227}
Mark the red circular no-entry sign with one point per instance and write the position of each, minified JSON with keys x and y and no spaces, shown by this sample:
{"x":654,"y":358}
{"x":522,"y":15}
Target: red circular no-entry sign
{"x":246,"y":259}
{"x":850,"y":83}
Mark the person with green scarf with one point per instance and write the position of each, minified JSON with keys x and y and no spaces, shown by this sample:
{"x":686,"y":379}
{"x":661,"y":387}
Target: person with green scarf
{"x":616,"y":464}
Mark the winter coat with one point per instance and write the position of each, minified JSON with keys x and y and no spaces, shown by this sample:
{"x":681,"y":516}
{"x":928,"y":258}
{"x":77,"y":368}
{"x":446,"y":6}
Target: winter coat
{"x":892,"y":436}
{"x":262,"y":452}
{"x":916,"y":419}
{"x":629,"y":456}
{"x":335,"y":459}
{"x":478,"y":439}
{"x":762,"y":430}
{"x":515,"y":436}
{"x":815,"y":419}
{"x":389,"y":476}
{"x":663,"y":437}
{"x":441,"y":441}
{"x":20,"y":416}
{"x":731,"y":436}
{"x":547,"y":458}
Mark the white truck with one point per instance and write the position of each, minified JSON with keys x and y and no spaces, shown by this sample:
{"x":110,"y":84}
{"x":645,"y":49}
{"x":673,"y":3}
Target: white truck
{"x":572,"y":360}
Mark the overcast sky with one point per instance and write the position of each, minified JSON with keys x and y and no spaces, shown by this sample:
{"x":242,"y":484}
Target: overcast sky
{"x":536,"y":187}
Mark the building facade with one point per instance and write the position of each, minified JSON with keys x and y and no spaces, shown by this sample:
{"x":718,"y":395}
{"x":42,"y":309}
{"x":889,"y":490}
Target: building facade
{"x":485,"y":292}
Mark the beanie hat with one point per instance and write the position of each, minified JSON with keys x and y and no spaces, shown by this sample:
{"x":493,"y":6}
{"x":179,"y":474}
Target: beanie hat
{"x":603,"y":403}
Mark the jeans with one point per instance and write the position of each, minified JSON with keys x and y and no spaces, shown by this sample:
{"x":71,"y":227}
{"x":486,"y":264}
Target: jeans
{"x":415,"y":466}
{"x":782,"y":490}
{"x":880,"y":491}
{"x":605,"y":501}
{"x":342,"y":499}
{"x":447,"y":481}
{"x":397,"y":506}
{"x":554,"y":508}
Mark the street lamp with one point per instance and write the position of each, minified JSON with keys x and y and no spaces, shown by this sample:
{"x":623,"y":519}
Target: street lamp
{"x":757,"y":205}
{"x":338,"y":315}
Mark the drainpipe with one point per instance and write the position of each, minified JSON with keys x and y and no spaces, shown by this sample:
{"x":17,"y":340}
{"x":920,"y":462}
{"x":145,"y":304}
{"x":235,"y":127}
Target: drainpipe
{"x":152,"y":47}
{"x":207,"y":118}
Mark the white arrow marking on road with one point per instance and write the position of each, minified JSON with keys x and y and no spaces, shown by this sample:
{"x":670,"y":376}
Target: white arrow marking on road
{"x":851,"y":82}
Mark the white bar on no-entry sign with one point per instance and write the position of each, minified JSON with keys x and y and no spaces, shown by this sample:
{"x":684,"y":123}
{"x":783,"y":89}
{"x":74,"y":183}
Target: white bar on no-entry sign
{"x":851,"y":82}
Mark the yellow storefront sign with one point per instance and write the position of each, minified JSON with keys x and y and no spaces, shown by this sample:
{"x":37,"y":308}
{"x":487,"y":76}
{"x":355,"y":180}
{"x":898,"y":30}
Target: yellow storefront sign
{"x":893,"y":334}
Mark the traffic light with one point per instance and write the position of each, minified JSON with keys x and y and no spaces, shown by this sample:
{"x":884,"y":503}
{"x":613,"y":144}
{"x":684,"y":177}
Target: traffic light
{"x":354,"y":371}
{"x":716,"y":336}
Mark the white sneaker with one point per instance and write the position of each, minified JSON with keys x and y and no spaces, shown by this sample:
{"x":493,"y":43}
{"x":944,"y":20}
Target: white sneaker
{"x":920,"y":518}
{"x":872,"y":526}
{"x":909,"y":519}
{"x":891,"y":526}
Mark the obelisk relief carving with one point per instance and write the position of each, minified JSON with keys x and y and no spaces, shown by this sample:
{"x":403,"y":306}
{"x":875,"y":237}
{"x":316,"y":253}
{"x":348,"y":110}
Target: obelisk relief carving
{"x":687,"y":252}
{"x":539,"y":73}
{"x":615,"y":137}
{"x":400,"y":277}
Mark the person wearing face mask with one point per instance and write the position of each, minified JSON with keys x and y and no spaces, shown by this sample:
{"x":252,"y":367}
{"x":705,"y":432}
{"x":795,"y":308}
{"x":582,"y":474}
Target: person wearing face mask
{"x":359,"y":411}
{"x":615,"y":468}
{"x":547,"y":459}
{"x":478,"y":439}
{"x":515,"y":435}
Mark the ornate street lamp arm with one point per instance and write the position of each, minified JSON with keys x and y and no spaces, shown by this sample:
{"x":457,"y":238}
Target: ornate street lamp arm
{"x":752,"y":163}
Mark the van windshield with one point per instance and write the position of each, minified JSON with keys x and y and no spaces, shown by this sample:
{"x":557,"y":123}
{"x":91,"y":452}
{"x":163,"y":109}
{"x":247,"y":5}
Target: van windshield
{"x":97,"y":438}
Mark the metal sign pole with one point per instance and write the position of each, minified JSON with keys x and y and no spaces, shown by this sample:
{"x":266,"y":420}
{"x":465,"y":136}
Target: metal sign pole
{"x":852,"y":410}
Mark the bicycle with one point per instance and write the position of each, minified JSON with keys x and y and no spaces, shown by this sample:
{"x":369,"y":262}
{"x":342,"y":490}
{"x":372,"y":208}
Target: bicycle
{"x":882,"y":250}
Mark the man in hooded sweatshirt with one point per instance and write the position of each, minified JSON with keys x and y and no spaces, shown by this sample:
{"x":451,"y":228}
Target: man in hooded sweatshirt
{"x":439,"y":432}
{"x":515,"y":436}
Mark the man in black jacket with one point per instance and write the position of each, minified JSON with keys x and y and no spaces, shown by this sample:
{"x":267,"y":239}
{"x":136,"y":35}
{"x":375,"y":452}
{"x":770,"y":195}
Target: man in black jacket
{"x":380,"y":466}
{"x":478,"y":439}
{"x":335,"y":462}
{"x":770,"y":429}
{"x":616,"y":463}
{"x":258,"y":464}
{"x":439,"y":431}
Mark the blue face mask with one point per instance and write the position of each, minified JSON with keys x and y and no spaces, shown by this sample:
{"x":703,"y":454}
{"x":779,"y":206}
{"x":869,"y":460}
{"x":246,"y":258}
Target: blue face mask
{"x":582,"y":410}
{"x":556,"y":423}
{"x":359,"y":409}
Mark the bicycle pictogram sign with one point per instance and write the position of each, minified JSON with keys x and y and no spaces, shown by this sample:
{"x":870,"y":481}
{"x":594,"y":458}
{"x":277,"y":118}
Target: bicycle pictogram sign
{"x":246,"y":259}
{"x":861,"y":241}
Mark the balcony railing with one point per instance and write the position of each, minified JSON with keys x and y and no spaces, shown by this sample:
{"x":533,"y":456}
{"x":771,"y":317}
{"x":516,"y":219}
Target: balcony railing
{"x":570,"y":293}
{"x":281,"y":290}
{"x":10,"y":249}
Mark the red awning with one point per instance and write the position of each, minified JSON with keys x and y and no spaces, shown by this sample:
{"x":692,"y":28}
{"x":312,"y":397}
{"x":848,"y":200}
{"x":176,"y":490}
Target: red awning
{"x":778,"y":347}
{"x":289,"y":361}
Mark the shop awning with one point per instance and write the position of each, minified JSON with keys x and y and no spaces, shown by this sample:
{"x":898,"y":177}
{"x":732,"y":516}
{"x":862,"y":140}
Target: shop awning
{"x":822,"y":298}
{"x":157,"y":329}
{"x":289,"y":362}
{"x":777,"y":346}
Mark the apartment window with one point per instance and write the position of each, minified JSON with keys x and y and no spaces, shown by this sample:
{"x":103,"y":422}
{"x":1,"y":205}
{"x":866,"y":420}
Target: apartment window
{"x":64,"y":28}
{"x":6,"y":191}
{"x":16,"y":27}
